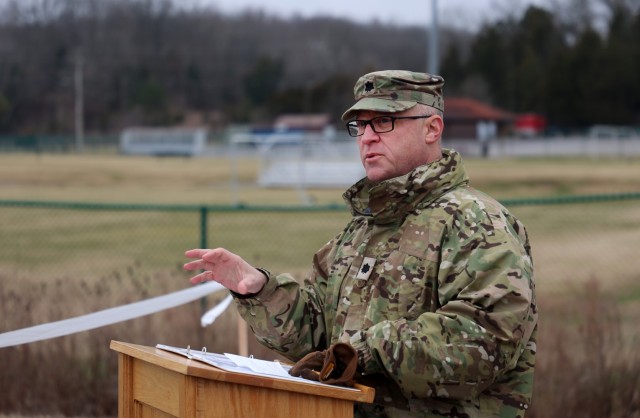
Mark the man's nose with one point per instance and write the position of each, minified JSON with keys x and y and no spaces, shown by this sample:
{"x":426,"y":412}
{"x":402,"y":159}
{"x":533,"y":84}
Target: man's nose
{"x":369,"y":134}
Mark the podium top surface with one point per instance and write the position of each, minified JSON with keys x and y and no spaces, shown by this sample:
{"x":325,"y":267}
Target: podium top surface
{"x":189,"y":367}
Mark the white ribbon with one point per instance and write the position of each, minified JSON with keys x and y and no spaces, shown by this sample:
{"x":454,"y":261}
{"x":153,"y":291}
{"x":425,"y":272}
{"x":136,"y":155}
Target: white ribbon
{"x":107,"y":316}
{"x":210,"y":316}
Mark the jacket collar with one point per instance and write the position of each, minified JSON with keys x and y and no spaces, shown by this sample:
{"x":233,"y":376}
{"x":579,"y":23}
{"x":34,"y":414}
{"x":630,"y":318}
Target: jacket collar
{"x":391,"y":200}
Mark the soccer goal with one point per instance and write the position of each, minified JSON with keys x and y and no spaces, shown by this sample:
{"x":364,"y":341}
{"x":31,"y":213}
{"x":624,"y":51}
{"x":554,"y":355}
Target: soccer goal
{"x":163,"y":141}
{"x":301,"y":160}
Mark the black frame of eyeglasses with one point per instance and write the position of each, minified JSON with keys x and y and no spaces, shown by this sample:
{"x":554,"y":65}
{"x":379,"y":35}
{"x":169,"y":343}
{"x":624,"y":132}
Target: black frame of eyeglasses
{"x":370,"y":123}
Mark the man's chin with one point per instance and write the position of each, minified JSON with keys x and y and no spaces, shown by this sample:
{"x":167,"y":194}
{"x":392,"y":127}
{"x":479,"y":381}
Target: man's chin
{"x":375,"y":176}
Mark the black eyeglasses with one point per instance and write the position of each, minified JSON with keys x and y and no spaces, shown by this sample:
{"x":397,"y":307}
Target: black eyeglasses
{"x":379,"y":124}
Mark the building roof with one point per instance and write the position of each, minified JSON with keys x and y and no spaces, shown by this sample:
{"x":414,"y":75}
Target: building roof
{"x":467,"y":109}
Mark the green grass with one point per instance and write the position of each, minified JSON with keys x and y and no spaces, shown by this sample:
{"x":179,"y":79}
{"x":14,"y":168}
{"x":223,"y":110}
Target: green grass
{"x":571,"y":242}
{"x":80,"y":244}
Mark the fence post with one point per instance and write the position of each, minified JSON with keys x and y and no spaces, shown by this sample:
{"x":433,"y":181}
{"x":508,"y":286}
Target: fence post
{"x":203,"y":227}
{"x":203,"y":244}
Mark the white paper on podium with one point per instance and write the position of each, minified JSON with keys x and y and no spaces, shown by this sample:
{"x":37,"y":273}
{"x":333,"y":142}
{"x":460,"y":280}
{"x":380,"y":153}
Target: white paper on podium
{"x":245,"y":365}
{"x":272,"y":368}
{"x":233,"y":363}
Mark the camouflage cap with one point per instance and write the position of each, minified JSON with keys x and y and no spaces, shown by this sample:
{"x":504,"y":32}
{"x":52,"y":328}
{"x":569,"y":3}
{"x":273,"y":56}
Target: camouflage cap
{"x":395,"y":91}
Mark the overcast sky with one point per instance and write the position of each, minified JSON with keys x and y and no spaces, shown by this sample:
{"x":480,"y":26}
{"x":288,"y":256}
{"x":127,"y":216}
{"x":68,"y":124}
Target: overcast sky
{"x":458,"y":13}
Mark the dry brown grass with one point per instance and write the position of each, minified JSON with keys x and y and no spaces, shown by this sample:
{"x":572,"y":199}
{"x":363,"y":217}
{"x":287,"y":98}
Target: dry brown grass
{"x":532,"y":177}
{"x":76,"y":375}
{"x":113,"y":178}
{"x":587,"y":365}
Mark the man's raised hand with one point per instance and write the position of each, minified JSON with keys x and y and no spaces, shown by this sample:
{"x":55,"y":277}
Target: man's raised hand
{"x":226,"y":268}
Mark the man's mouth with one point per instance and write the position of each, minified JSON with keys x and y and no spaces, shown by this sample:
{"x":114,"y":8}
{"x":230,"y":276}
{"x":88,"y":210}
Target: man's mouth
{"x":371,"y":155}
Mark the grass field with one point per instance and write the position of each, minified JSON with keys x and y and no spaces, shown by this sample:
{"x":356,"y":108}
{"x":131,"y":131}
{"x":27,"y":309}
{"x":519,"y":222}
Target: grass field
{"x":57,"y":263}
{"x":569,"y":240}
{"x":112,"y":178}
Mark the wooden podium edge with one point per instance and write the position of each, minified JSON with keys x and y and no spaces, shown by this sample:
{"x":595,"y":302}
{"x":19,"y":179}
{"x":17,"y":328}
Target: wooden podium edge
{"x":183,"y":365}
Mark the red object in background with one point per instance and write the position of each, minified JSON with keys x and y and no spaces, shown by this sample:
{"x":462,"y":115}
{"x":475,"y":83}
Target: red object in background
{"x":530,"y":124}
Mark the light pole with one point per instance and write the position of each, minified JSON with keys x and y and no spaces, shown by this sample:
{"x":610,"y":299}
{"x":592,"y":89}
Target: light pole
{"x":79,"y":100}
{"x":432,"y":54}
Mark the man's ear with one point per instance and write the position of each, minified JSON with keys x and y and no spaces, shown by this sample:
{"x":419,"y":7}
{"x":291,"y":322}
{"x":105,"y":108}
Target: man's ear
{"x":434,"y":126}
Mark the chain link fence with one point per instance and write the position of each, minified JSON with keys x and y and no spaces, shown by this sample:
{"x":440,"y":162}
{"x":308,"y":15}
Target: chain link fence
{"x":83,"y":241}
{"x":572,"y":237}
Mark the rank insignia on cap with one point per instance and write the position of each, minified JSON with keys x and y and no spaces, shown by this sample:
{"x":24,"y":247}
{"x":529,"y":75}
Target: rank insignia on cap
{"x":368,"y":86}
{"x":366,"y":268}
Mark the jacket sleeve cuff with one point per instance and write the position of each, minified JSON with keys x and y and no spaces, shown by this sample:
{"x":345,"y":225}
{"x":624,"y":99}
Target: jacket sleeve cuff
{"x":267,"y":290}
{"x":366,"y":362}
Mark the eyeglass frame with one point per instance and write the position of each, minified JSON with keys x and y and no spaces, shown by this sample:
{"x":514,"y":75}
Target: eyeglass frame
{"x":370,"y":123}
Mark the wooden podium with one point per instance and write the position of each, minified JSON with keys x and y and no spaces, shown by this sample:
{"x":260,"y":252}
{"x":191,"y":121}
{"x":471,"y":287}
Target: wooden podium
{"x":157,"y":383}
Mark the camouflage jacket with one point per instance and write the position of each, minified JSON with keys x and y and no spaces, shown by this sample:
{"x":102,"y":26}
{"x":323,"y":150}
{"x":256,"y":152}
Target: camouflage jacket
{"x":432,"y":283}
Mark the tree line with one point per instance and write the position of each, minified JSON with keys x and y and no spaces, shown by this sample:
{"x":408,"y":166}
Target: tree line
{"x":155,"y":62}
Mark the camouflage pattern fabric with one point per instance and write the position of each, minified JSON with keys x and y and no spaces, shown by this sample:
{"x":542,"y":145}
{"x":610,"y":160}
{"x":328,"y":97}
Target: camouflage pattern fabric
{"x":432,"y":283}
{"x":392,"y":91}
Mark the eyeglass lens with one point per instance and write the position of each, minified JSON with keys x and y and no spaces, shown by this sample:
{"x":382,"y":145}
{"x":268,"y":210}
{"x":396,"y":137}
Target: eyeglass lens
{"x":380,"y":124}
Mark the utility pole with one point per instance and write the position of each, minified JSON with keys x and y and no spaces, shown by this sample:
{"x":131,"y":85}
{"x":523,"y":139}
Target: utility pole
{"x":433,"y":53}
{"x":79,"y":100}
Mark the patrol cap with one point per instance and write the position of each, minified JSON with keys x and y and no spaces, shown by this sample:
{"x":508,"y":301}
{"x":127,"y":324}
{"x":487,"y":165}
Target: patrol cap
{"x":395,"y":91}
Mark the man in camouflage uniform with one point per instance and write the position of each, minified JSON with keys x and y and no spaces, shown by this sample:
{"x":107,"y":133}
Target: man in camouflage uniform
{"x":431,"y":281}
